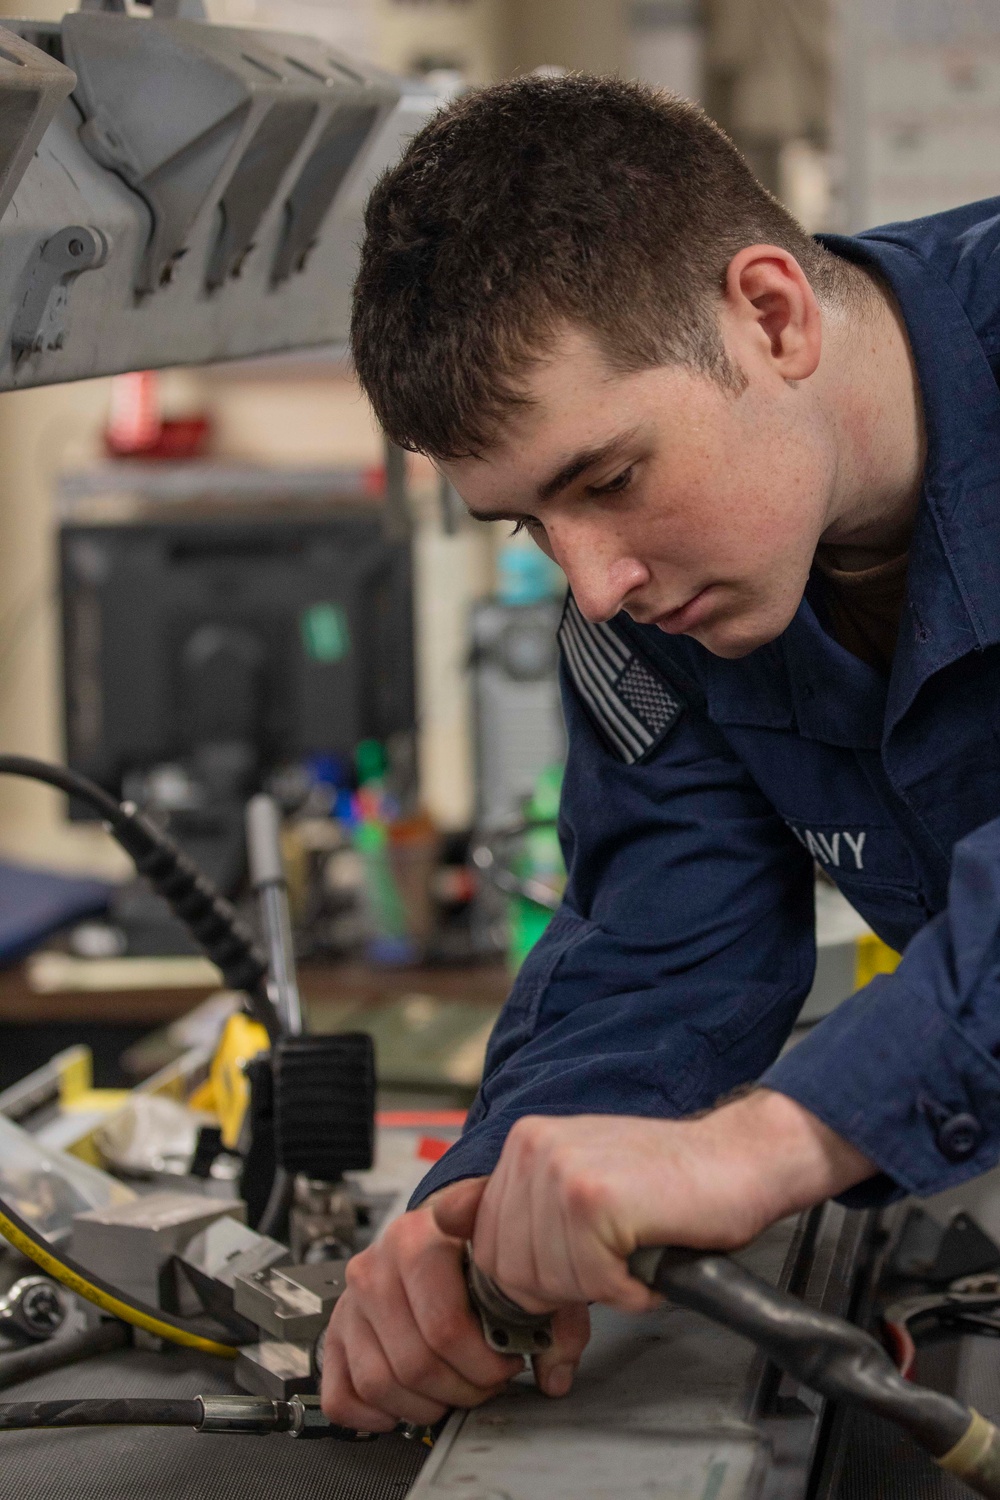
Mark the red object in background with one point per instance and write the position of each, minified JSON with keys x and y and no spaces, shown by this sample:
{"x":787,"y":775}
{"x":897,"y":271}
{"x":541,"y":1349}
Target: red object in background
{"x":137,"y":429}
{"x":431,"y":1148}
{"x":373,"y":482}
{"x":428,"y":1119}
{"x":455,"y":885}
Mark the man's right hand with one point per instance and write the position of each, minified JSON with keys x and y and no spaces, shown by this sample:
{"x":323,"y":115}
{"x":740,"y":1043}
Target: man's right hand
{"x":403,"y":1343}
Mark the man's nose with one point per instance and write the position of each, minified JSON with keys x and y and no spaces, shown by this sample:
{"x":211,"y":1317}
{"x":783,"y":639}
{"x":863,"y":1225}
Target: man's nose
{"x":601,"y":578}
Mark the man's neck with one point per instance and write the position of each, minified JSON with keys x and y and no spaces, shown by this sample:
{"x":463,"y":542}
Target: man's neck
{"x":873,"y":395}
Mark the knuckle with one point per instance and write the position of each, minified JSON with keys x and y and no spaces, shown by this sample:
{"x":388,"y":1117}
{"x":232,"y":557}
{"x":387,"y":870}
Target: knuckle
{"x":363,"y":1271}
{"x":359,"y":1273}
{"x":407,"y":1237}
{"x":527,"y":1133}
{"x":444,"y":1327}
{"x":413,"y":1367}
{"x":370,"y":1384}
{"x":584,"y":1195}
{"x":335,"y":1397}
{"x":410,"y":1245}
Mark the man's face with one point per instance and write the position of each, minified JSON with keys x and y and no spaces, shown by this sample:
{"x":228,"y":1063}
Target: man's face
{"x":665,"y":494}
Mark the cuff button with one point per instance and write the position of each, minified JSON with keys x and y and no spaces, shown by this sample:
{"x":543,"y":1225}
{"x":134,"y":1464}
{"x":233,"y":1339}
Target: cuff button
{"x":959,"y":1136}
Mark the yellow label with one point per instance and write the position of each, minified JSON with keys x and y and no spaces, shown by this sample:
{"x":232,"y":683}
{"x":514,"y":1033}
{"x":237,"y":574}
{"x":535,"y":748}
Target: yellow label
{"x":76,"y":1076}
{"x":241,"y":1040}
{"x":871,"y":957}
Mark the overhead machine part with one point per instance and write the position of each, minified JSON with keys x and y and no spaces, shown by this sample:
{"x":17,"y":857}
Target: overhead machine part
{"x":197,"y":197}
{"x":33,"y":86}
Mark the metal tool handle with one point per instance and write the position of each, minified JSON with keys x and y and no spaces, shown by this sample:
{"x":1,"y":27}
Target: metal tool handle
{"x":267,"y":876}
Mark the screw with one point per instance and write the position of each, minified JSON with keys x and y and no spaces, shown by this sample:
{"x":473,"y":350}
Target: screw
{"x":75,"y":247}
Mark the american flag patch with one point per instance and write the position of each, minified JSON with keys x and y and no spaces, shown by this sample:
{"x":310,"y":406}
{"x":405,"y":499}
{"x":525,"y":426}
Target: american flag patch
{"x":631,"y":705}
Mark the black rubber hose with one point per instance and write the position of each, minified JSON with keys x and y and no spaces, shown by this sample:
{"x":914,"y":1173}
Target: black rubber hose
{"x":274,"y":1220}
{"x":63,"y":1350}
{"x":211,"y":920}
{"x":113,"y":1412}
{"x":826,"y":1353}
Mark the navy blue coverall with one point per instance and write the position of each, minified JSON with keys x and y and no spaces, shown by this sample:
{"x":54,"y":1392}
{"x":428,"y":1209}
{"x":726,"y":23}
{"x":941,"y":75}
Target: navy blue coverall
{"x":699,"y":792}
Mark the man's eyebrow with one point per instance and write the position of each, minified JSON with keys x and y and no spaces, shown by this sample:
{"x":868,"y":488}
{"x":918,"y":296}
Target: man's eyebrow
{"x":586,"y":459}
{"x":581,"y":462}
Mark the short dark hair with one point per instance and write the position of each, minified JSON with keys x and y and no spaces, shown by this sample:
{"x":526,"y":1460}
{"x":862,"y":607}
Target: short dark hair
{"x":542,"y":201}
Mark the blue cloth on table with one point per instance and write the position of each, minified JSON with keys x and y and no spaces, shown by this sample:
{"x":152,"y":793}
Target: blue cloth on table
{"x":35,"y":903}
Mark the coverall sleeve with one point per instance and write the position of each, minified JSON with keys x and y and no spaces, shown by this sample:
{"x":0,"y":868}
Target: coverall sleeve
{"x":906,"y":1069}
{"x":679,"y":958}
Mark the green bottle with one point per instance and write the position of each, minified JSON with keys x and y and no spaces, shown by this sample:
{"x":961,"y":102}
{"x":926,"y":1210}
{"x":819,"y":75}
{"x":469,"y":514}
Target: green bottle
{"x":540,"y":858}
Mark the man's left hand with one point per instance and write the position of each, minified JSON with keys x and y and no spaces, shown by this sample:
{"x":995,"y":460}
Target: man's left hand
{"x":571,"y":1198}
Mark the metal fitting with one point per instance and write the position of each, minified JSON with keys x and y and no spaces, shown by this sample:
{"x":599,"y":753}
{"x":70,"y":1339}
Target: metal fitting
{"x":254,"y":1415}
{"x":34,"y":1306}
{"x":308,"y":1421}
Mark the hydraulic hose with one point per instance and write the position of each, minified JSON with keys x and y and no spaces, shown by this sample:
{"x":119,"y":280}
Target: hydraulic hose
{"x":208,"y":916}
{"x":110,"y":1412}
{"x":64,"y":1349}
{"x":300,"y":1417}
{"x":62,"y":1268}
{"x":830,"y":1355}
{"x":274,"y":1220}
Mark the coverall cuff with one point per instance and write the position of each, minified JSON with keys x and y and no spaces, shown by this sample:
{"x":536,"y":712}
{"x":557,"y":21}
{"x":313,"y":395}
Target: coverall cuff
{"x":474,"y":1154}
{"x":901,"y":1080}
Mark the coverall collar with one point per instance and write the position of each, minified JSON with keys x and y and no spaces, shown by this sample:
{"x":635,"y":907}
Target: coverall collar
{"x":953,"y":583}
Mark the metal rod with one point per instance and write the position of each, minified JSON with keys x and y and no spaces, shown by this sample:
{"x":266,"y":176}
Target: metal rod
{"x":267,"y":876}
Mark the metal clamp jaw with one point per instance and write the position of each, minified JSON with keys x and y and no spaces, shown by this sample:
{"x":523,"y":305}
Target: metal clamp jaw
{"x":507,"y":1328}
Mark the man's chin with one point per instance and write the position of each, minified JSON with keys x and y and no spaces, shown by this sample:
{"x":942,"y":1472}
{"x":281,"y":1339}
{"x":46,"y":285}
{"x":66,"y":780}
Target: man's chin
{"x":733,"y":639}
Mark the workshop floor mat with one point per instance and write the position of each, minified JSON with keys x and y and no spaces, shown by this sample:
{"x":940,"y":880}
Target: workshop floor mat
{"x":154,"y":1463}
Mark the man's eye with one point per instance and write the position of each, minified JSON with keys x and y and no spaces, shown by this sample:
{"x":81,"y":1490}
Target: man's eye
{"x":525,"y":523}
{"x":614,"y":486}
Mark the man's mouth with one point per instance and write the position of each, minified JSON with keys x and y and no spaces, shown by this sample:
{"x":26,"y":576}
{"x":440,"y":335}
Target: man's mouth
{"x":684,"y":618}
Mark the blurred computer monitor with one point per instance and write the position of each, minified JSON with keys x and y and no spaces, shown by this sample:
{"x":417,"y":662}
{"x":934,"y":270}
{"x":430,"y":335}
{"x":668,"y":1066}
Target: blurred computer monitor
{"x":232,"y":642}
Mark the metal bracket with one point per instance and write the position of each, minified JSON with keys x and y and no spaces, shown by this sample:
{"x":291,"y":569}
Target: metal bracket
{"x":43,"y":308}
{"x":33,"y":86}
{"x":507,"y":1328}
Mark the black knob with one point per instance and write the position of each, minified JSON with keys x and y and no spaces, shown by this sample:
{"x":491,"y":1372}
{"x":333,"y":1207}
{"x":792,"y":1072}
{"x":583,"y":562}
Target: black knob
{"x":324,"y":1104}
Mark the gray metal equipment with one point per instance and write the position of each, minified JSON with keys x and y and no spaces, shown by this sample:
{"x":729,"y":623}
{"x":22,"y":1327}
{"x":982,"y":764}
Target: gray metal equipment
{"x":518,"y":719}
{"x":135,"y":1242}
{"x":175,"y":192}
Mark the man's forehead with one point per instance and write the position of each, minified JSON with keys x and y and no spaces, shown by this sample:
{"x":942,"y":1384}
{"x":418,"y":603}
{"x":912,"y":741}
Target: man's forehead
{"x":573,"y":417}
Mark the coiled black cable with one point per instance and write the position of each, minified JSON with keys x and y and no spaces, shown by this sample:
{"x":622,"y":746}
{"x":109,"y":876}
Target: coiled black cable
{"x":210,"y":919}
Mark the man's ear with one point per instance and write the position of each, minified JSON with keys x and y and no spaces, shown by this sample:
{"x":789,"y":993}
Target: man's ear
{"x":771,"y":312}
